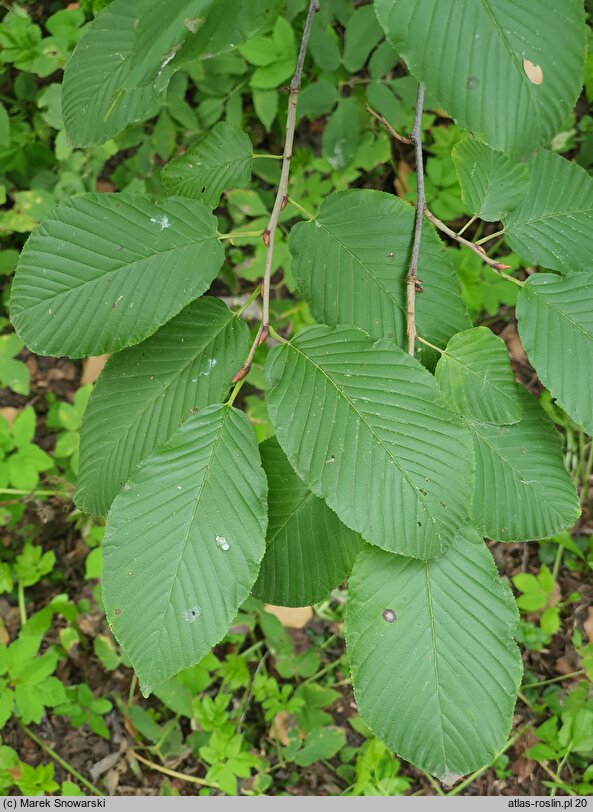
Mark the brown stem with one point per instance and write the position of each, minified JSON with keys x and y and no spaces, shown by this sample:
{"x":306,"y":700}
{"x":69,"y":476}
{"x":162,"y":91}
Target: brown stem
{"x":59,"y":760}
{"x":392,"y":132}
{"x":497,"y":267}
{"x":413,"y":284}
{"x":269,"y":235}
{"x":172,"y":773}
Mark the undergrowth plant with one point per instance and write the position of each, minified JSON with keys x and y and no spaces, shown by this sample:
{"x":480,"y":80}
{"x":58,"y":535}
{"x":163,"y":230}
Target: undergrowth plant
{"x":402,"y":439}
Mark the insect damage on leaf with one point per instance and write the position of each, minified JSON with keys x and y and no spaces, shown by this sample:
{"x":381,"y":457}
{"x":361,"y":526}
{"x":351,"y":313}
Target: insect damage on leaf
{"x":533,"y":72}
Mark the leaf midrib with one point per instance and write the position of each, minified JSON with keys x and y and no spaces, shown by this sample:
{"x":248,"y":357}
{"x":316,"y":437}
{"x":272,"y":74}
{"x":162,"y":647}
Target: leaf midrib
{"x":124,"y":267}
{"x":482,"y":378}
{"x":523,"y":78}
{"x":433,"y":637}
{"x":169,"y":383}
{"x":553,"y":216}
{"x":374,"y":434}
{"x":363,"y":266}
{"x":213,"y":168}
{"x":534,"y":484}
{"x":185,"y":541}
{"x":547,"y":302}
{"x":298,"y":507}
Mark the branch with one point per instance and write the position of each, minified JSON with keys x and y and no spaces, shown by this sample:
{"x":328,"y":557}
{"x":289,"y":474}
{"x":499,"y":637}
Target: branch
{"x":497,"y":267}
{"x":269,"y":235}
{"x":382,"y":120}
{"x":413,"y":285}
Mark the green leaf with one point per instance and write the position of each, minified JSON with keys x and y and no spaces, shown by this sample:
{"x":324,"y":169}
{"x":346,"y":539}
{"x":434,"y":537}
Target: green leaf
{"x":475,"y":375}
{"x":183,"y":544}
{"x":491,"y":184}
{"x":475,"y":57}
{"x":321,"y":743}
{"x":317,"y":99}
{"x":351,"y":263}
{"x":265,"y":104}
{"x":23,"y":428}
{"x":219,"y":161}
{"x":4,"y":127}
{"x":434,"y":666}
{"x":522,"y":490}
{"x":259,"y":51}
{"x":228,"y":23}
{"x":553,"y":225}
{"x":364,"y":426}
{"x":104,"y":271}
{"x":6,"y":708}
{"x":97,"y":100}
{"x":362,"y":33}
{"x":124,"y":62}
{"x":341,"y":134}
{"x":324,"y":47}
{"x":14,"y":374}
{"x":383,"y":60}
{"x":146,"y":392}
{"x":555,"y":319}
{"x":309,"y":551}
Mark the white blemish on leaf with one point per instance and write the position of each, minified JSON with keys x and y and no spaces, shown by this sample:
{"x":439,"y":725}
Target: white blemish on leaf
{"x":192,"y":614}
{"x":222,"y":543}
{"x":168,"y":58}
{"x":210,"y":364}
{"x":193,"y":23}
{"x":163,"y":221}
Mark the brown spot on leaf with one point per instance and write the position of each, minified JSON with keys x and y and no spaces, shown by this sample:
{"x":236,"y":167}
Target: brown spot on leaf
{"x":389,"y":616}
{"x":533,"y":72}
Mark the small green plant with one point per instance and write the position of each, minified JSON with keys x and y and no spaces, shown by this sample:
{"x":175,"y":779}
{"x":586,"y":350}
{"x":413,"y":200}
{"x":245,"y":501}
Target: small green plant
{"x":568,"y":732}
{"x":402,"y":439}
{"x":28,"y":682}
{"x":21,"y":461}
{"x":13,"y":373}
{"x":66,"y":418}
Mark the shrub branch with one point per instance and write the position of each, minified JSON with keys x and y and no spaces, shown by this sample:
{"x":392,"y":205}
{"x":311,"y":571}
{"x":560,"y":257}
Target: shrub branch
{"x":413,"y":284}
{"x":269,"y":235}
{"x":497,"y":267}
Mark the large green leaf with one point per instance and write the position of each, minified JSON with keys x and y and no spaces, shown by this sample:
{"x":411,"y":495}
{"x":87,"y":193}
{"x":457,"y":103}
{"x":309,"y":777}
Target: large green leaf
{"x":147,"y":391}
{"x":104,"y":271}
{"x":183,"y":544}
{"x":434,"y":666}
{"x":364,"y":426}
{"x":229,"y":23}
{"x":553,"y":226}
{"x":555,"y":318}
{"x":217,"y":162}
{"x":522,"y":490}
{"x":125,"y":60}
{"x":309,"y":551}
{"x":474,"y":374}
{"x":351,"y":263}
{"x":508,"y":70}
{"x":491,"y":184}
{"x":361,"y":35}
{"x":99,"y":96}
